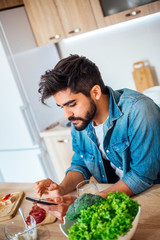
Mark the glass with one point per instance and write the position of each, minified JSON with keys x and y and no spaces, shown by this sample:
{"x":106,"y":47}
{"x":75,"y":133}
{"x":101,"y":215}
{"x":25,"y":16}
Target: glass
{"x":16,"y":231}
{"x":86,"y":186}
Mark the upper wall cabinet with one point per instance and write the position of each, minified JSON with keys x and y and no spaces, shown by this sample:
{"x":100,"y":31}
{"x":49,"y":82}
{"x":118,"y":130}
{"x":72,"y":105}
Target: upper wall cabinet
{"x":6,"y":4}
{"x":53,"y":20}
{"x":45,"y":21}
{"x":76,"y":16}
{"x":121,"y":16}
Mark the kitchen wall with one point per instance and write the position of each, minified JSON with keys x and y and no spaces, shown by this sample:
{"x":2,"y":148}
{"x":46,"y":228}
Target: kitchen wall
{"x":115,"y":48}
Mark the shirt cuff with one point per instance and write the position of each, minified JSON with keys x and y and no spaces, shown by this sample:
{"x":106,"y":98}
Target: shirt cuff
{"x":79,"y":169}
{"x":136,"y":184}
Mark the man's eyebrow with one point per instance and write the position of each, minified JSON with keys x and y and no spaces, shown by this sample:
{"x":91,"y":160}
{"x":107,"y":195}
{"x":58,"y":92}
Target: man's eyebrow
{"x":67,"y":103}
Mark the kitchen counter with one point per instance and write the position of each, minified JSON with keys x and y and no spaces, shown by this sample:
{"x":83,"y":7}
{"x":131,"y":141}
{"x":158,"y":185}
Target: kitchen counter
{"x":148,"y":227}
{"x":56,"y":130}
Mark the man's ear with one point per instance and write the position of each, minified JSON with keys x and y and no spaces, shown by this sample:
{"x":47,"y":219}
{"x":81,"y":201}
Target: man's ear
{"x":96,"y":92}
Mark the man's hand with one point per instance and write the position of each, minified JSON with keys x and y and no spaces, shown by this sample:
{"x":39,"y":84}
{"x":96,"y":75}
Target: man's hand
{"x":59,"y":210}
{"x":48,"y":189}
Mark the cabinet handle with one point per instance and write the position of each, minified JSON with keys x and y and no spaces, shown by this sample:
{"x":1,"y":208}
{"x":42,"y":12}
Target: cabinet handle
{"x":133,"y":13}
{"x":76,"y":30}
{"x":63,"y":140}
{"x":57,"y":36}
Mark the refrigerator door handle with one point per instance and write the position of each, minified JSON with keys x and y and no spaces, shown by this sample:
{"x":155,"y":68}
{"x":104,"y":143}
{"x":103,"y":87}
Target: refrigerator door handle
{"x":28,"y":124}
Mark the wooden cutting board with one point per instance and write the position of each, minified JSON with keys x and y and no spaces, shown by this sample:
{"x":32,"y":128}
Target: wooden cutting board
{"x":142,"y":76}
{"x":10,"y":210}
{"x":48,"y":219}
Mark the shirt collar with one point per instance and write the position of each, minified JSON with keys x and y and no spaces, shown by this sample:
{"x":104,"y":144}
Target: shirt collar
{"x":114,"y":110}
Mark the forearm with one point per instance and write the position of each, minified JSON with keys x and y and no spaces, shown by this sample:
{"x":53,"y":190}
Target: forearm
{"x":120,"y":186}
{"x":71,"y":180}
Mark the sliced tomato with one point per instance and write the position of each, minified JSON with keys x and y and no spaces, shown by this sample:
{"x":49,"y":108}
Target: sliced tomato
{"x":6,"y":197}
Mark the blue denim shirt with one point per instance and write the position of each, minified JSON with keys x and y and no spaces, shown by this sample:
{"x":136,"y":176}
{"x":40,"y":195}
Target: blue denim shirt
{"x":131,"y":142}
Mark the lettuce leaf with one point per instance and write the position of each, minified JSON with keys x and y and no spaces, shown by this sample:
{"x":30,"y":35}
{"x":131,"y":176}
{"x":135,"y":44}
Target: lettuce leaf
{"x":107,"y":220}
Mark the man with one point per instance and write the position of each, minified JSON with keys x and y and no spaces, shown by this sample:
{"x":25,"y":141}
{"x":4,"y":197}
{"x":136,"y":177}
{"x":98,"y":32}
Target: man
{"x":115,"y":134}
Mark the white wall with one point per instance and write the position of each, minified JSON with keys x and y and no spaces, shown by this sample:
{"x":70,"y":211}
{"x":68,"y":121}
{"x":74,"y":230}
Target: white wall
{"x":115,"y":48}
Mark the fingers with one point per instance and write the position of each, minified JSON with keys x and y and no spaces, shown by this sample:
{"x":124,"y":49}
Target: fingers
{"x":64,"y":199}
{"x":38,"y":187}
{"x":51,"y":194}
{"x":53,"y":186}
{"x":59,"y":211}
{"x":41,"y":187}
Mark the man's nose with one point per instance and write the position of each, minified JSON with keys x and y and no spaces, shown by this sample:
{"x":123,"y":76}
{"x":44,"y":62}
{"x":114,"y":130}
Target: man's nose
{"x":67,"y":113}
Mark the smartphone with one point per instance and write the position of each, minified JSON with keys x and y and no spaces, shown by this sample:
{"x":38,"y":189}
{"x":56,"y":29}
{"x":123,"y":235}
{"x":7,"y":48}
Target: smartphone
{"x":41,"y":201}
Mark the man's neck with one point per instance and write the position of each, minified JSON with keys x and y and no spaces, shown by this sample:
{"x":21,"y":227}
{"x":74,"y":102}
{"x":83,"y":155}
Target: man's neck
{"x":102,"y":110}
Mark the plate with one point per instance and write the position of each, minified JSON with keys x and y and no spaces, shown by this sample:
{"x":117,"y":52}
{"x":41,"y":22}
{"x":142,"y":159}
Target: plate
{"x":67,"y":224}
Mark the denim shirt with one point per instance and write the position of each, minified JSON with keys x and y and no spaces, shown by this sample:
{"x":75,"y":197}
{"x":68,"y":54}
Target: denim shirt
{"x":131,"y":142}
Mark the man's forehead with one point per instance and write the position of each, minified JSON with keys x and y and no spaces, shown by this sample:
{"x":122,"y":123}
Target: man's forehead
{"x":65,"y":97}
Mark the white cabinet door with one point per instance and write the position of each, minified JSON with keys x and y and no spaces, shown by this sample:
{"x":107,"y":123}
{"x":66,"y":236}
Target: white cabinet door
{"x":20,"y":166}
{"x":60,"y":151}
{"x":58,"y":142}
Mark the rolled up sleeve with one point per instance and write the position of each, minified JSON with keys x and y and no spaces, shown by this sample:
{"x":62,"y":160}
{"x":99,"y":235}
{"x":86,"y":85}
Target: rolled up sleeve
{"x":78,"y":165}
{"x":135,"y":183}
{"x":144,"y":136}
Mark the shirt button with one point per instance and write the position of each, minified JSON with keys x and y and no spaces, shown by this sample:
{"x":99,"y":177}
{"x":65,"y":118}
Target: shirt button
{"x":119,"y":167}
{"x":100,"y":161}
{"x":102,"y":175}
{"x":107,"y":151}
{"x":81,"y":156}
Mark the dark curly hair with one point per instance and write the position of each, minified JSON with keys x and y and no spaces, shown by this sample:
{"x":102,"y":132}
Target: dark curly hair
{"x":74,"y":72}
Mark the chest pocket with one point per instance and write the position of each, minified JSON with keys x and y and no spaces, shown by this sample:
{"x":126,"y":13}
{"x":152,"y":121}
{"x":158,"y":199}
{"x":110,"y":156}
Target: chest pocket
{"x":121,"y":146}
{"x":89,"y":161}
{"x":87,"y":157}
{"x":121,"y":154}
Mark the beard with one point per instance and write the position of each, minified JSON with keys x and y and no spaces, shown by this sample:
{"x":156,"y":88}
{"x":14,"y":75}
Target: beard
{"x":88,"y":118}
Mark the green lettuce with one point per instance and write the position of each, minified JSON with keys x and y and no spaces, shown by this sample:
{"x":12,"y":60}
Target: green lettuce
{"x":106,"y":220}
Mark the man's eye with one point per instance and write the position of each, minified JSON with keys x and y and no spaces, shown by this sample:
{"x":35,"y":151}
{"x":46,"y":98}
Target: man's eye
{"x":72,"y":105}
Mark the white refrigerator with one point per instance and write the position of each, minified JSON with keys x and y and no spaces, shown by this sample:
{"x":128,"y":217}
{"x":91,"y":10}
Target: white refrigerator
{"x":23,"y":155}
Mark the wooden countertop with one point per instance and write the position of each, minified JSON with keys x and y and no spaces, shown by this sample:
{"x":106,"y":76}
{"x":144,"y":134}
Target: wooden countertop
{"x":148,"y":227}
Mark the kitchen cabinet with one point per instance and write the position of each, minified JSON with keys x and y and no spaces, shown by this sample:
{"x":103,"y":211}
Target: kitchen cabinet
{"x":123,"y":16}
{"x":54,"y":20}
{"x":45,"y":21}
{"x":5,"y":4}
{"x":76,"y":16}
{"x":58,"y":141}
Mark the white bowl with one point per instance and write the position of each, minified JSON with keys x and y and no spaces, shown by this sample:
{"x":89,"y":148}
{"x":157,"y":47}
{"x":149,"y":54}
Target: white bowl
{"x":67,"y":224}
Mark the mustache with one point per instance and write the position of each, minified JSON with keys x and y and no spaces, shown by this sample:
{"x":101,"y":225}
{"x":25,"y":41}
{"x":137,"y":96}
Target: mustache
{"x":75,"y":118}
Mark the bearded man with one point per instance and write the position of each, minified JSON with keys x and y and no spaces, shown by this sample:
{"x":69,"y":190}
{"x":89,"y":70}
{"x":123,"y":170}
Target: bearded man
{"x":115,"y":134}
